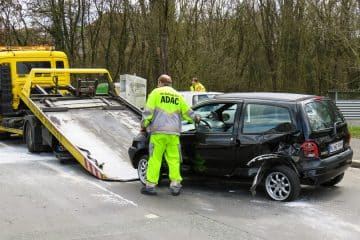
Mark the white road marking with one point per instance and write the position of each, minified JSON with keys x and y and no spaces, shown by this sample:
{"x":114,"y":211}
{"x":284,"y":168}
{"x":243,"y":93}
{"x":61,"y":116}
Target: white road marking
{"x":114,"y":194}
{"x":19,"y":153}
{"x":151,"y":216}
{"x":207,"y":209}
{"x":16,"y":154}
{"x":80,"y":179}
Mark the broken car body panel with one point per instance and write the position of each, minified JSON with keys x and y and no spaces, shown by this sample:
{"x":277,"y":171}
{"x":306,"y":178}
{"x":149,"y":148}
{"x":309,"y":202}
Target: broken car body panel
{"x":247,"y":134}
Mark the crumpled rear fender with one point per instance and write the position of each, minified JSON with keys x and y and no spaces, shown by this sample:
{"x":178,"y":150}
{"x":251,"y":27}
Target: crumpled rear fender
{"x":267,"y":162}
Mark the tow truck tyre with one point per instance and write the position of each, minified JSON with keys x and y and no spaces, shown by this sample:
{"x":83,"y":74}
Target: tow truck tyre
{"x":4,"y":135}
{"x":333,"y":181}
{"x":282,"y":184}
{"x":142,"y":167}
{"x":30,"y":139}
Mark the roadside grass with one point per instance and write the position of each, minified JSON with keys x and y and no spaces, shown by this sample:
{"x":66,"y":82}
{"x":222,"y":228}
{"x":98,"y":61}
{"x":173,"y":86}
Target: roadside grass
{"x":355,"y":131}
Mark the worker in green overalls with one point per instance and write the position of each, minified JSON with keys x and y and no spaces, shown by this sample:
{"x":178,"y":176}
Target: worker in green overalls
{"x":164,"y":111}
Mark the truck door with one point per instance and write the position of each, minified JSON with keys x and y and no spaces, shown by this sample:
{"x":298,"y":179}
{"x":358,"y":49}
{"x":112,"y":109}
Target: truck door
{"x":215,"y":148}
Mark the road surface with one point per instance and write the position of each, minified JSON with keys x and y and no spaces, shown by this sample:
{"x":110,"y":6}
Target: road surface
{"x":41,"y":198}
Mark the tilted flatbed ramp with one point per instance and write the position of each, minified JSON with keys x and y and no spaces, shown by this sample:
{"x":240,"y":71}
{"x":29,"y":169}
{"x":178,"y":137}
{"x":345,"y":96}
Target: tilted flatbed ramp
{"x":97,"y":131}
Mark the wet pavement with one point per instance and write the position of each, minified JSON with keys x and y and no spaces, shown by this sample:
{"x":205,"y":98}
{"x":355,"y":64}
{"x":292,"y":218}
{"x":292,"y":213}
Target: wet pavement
{"x":41,"y":198}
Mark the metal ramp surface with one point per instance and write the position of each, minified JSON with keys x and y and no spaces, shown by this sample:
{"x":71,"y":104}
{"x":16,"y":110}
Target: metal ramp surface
{"x":103,"y":136}
{"x":96,"y":131}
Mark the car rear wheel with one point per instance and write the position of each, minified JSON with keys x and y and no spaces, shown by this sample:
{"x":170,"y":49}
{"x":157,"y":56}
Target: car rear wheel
{"x":282,"y":184}
{"x":142,"y":167}
{"x":333,"y":181}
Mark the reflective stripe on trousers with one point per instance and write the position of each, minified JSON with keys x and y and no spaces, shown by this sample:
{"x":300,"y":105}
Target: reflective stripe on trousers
{"x":168,"y":145}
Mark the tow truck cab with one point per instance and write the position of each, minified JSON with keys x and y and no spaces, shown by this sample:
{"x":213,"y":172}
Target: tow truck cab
{"x":16,"y":63}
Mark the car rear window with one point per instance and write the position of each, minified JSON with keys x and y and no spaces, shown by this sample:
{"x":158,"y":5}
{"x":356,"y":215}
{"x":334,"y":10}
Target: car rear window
{"x":323,"y":114}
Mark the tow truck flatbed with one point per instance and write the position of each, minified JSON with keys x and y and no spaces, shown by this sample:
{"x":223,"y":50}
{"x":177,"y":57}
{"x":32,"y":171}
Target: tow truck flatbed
{"x":95,"y":130}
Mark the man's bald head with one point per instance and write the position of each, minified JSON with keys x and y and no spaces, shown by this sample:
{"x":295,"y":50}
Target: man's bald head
{"x":164,"y":80}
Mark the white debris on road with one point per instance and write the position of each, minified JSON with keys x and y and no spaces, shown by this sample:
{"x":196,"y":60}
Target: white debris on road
{"x":12,"y":151}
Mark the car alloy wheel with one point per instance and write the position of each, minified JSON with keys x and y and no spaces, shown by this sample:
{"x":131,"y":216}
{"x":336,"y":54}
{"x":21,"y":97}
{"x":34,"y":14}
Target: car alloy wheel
{"x":282,"y":183}
{"x":142,"y":167}
{"x":278,"y":186}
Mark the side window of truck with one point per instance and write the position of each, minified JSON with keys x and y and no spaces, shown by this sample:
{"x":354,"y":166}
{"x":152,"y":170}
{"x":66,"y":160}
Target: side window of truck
{"x":59,"y":64}
{"x":23,"y":68}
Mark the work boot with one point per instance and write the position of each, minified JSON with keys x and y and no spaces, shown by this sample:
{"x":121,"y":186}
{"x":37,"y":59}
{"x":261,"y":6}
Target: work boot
{"x":175,"y":191}
{"x":175,"y":188}
{"x":148,"y":190}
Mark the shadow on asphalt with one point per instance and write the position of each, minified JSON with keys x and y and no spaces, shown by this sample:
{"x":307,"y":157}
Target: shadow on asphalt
{"x":234,"y":188}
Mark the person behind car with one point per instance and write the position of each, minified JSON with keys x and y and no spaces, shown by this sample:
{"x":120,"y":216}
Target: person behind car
{"x":162,"y":118}
{"x":196,"y":86}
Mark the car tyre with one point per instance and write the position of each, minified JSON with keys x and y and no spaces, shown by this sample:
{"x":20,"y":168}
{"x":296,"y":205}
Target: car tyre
{"x":333,"y":181}
{"x":142,"y":167}
{"x":282,"y":184}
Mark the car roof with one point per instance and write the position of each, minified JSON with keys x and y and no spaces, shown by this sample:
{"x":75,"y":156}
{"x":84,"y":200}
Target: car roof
{"x":191,"y":93}
{"x":265,"y":96}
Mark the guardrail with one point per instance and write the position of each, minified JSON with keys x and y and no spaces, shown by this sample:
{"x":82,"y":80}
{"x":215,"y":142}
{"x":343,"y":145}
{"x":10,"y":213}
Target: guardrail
{"x":349,"y":108}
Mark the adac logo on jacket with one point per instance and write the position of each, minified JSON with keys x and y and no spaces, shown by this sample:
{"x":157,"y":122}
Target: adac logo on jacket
{"x":169,"y":98}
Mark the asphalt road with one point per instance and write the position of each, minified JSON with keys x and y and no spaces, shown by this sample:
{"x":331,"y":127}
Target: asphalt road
{"x":41,"y":198}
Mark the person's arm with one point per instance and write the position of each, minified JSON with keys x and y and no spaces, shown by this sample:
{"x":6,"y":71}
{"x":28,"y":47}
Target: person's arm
{"x":186,"y":112}
{"x":148,"y":112}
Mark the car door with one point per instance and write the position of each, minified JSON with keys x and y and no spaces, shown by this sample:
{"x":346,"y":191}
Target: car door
{"x":215,"y":146}
{"x":259,"y":132}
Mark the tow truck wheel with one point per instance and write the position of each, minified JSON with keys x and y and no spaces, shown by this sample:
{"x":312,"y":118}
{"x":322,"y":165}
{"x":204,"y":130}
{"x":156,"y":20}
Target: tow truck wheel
{"x":30,"y":139}
{"x":4,"y":135}
{"x":142,"y":167}
{"x":282,"y":184}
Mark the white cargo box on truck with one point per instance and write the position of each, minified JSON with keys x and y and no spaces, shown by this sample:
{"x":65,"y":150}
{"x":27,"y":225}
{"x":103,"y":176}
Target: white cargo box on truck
{"x":133,"y":89}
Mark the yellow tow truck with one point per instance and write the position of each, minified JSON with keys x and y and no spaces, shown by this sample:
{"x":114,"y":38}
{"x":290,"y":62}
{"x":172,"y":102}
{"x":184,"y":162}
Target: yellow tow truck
{"x":57,"y":108}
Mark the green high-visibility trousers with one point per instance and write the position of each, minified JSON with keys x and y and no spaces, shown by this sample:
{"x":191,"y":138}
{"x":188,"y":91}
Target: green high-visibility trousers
{"x":169,"y":145}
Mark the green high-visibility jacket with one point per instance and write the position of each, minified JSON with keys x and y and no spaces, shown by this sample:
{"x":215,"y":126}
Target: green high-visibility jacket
{"x":198,"y":88}
{"x":164,"y":111}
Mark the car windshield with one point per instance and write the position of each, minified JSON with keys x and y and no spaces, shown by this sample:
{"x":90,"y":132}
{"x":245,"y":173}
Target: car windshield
{"x":323,"y":115}
{"x":199,"y":98}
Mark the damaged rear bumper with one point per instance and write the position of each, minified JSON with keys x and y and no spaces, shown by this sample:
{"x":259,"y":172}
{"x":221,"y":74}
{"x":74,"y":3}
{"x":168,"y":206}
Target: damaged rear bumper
{"x":315,"y":172}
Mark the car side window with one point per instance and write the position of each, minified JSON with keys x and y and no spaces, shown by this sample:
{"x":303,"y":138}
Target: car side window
{"x":217,"y":117}
{"x":261,"y":118}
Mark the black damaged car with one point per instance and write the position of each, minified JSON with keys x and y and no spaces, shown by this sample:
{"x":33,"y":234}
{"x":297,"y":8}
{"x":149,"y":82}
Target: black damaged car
{"x":280,"y":140}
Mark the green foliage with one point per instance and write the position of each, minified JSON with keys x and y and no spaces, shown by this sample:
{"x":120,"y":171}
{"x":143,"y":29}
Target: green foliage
{"x":355,"y":131}
{"x":230,"y":45}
